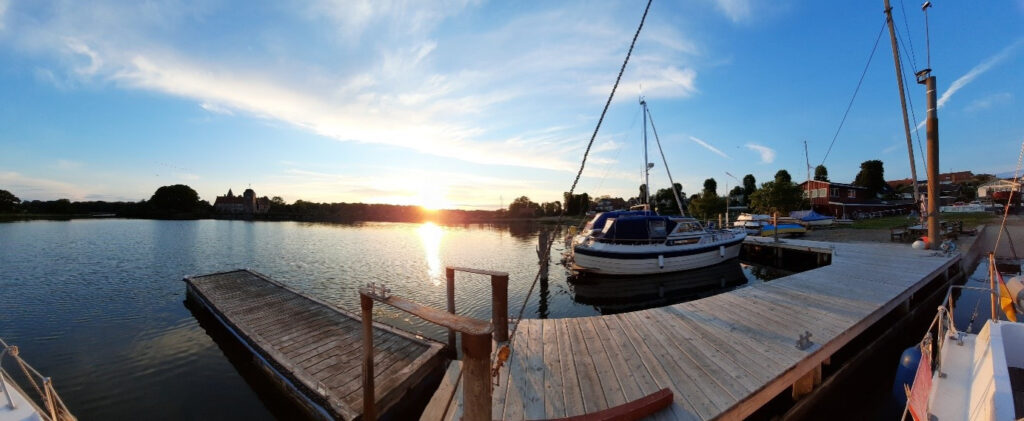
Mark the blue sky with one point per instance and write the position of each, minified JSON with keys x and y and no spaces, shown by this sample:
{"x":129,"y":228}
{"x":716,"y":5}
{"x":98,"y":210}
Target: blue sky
{"x":470,"y":104}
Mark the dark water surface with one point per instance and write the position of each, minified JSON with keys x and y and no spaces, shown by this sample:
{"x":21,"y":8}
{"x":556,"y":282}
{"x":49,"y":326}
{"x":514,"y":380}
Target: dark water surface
{"x":98,"y":304}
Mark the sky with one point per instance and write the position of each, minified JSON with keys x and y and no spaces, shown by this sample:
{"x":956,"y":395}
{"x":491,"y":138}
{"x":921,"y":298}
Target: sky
{"x":469,"y":104}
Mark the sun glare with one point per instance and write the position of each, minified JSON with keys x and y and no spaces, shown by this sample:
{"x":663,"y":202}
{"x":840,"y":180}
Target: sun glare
{"x":430,"y":236}
{"x":432,"y":199}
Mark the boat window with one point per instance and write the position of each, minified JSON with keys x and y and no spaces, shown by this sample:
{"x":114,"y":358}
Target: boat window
{"x":658,"y":228}
{"x":607,"y":226}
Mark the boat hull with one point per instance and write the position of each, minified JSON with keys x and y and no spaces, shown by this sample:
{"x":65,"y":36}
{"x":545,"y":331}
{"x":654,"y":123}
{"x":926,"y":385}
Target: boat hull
{"x":651,"y":259}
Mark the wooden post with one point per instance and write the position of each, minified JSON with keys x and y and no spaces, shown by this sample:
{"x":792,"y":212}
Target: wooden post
{"x":369,"y":402}
{"x":775,"y":222}
{"x":806,"y":384}
{"x":543,"y":252}
{"x":499,"y":307}
{"x":476,"y":377}
{"x":449,"y":276}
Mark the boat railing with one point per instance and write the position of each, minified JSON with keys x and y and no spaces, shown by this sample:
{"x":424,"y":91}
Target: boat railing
{"x":55,"y":408}
{"x":944,"y":327}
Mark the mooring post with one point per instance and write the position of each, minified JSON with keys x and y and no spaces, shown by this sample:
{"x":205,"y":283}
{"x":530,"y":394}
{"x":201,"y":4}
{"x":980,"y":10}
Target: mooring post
{"x":476,"y":377}
{"x":543,"y":252}
{"x":499,"y":307}
{"x":369,"y":404}
{"x":775,"y":222}
{"x":449,"y":276}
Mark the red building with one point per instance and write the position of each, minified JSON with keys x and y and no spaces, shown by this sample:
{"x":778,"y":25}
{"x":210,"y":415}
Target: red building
{"x":849,"y":201}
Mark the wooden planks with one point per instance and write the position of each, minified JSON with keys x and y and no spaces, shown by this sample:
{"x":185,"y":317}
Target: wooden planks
{"x":313,"y":347}
{"x":722,"y":356}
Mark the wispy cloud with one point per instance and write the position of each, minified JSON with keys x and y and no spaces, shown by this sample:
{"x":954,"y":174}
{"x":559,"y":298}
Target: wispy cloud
{"x":978,"y":70}
{"x":33,"y":188}
{"x":708,"y":146}
{"x":767,"y":154}
{"x":989,"y":102}
{"x":67,"y":164}
{"x":736,"y":10}
{"x":419,"y":92}
{"x":893,"y":147}
{"x":4,"y":4}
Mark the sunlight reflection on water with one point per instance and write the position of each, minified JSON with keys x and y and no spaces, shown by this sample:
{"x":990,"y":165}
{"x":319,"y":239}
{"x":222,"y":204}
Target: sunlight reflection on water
{"x":430,"y":237}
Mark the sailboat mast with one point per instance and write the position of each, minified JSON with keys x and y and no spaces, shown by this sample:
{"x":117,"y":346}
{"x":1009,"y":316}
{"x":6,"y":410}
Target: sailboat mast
{"x":647,"y":165}
{"x":807,"y":161}
{"x":903,"y":99}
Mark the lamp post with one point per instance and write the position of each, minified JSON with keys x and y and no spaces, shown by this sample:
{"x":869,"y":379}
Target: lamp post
{"x":728,"y":196}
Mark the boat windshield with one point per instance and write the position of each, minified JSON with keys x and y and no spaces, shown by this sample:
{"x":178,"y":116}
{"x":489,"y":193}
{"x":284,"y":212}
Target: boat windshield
{"x":688,"y":227}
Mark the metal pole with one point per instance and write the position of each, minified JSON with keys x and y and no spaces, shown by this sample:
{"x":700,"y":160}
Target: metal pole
{"x":369,"y":404}
{"x":903,"y":102}
{"x":499,"y":307}
{"x":647,"y":168}
{"x":449,"y":276}
{"x":932,"y":124}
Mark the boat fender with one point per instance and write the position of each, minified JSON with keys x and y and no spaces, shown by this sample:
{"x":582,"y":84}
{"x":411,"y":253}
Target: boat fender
{"x":721,"y":251}
{"x":1016,"y":287}
{"x":905,"y":373}
{"x":661,"y":261}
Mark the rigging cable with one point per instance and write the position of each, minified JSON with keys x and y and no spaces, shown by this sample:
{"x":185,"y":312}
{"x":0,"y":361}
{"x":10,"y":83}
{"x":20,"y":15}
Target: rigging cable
{"x":679,"y":202}
{"x":913,"y":115}
{"x":859,"y":82}
{"x":551,"y":240}
{"x":1006,"y":210}
{"x":913,"y":55}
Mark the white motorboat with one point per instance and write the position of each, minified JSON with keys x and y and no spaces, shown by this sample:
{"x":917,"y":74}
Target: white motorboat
{"x":642,"y":242}
{"x":16,"y":405}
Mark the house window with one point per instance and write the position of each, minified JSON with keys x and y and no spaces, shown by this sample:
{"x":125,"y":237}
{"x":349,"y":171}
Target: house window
{"x":835,"y":192}
{"x":852,"y":194}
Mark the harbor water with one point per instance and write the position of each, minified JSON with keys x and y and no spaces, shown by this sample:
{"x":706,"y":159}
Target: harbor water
{"x":98,"y":305}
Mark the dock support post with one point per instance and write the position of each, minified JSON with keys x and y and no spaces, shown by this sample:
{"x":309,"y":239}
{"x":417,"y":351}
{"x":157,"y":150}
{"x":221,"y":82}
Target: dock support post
{"x":476,"y":377}
{"x":806,"y":384}
{"x":499,"y":307}
{"x":369,"y":402}
{"x":449,"y":276}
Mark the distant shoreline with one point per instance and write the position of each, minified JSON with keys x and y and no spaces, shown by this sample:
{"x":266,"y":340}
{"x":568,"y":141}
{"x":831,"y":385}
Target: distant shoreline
{"x":14,"y":217}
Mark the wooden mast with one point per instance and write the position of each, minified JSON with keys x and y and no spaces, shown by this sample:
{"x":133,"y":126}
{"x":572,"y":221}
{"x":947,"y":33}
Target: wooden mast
{"x":903,"y":99}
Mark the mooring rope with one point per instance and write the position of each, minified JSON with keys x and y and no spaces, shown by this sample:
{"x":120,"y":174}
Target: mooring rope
{"x":1006,"y":209}
{"x":583,"y":163}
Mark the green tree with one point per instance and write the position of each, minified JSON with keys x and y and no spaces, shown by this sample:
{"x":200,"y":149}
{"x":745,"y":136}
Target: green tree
{"x":782,"y":176}
{"x":523,"y":207}
{"x":277,"y":200}
{"x":665,"y":201}
{"x":821,"y":173}
{"x":749,"y":187}
{"x":736,"y":191}
{"x":576,"y":204}
{"x":871,"y":176}
{"x":710,"y":187}
{"x":780,"y":195}
{"x":8,"y":201}
{"x":176,"y":198}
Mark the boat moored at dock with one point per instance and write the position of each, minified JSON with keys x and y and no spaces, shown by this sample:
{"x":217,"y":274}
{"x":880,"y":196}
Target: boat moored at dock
{"x":642,"y":243}
{"x":19,"y":406}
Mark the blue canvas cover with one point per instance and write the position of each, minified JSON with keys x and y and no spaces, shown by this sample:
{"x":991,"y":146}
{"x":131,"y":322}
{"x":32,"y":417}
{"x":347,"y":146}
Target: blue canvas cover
{"x":601,"y":218}
{"x":808,"y":215}
{"x":637,"y":227}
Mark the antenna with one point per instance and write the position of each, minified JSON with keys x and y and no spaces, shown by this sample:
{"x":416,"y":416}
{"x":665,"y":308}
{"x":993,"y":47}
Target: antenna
{"x":927,"y":37}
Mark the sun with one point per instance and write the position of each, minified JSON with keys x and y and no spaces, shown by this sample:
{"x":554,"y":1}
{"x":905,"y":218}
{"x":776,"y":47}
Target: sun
{"x":432,"y":199}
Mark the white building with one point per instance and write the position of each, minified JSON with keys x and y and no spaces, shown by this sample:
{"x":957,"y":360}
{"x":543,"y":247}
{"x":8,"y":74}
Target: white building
{"x":986,"y":190}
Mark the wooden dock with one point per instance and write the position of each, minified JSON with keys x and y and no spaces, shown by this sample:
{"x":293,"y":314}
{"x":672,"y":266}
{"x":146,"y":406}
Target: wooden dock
{"x":313,"y":349}
{"x":723,"y":356}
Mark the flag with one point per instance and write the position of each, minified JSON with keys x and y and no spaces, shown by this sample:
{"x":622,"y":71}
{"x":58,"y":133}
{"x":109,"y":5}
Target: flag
{"x":1006,"y":300}
{"x":918,"y":399}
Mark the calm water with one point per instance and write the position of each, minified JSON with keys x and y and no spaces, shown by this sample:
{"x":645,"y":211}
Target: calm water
{"x":98,"y":304}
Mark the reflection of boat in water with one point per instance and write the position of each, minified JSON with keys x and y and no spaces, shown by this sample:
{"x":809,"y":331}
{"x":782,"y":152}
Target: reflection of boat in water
{"x":612,"y":294}
{"x":18,"y":405}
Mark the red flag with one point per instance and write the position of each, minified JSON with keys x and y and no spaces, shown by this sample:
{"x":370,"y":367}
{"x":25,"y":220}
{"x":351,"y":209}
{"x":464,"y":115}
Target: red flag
{"x":918,"y":400}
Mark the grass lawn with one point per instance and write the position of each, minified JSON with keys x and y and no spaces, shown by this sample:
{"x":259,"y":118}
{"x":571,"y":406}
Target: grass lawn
{"x":971,"y":220}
